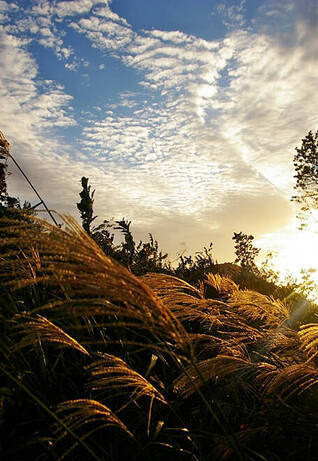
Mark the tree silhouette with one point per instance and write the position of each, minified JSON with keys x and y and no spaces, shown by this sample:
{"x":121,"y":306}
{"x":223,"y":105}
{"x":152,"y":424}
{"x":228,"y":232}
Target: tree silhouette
{"x":306,"y":168}
{"x":6,"y":201}
{"x":85,"y":206}
{"x":245,"y":251}
{"x":129,"y":245}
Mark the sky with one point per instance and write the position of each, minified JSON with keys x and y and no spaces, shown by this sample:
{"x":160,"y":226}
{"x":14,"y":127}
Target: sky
{"x":184,"y":114}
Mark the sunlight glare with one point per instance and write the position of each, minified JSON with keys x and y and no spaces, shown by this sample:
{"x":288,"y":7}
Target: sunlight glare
{"x":298,"y":251}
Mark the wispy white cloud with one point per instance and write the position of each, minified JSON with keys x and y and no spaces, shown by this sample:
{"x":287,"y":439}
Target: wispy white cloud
{"x":270,"y":104}
{"x":37,"y":25}
{"x":29,"y":110}
{"x":233,"y":16}
{"x":5,"y":6}
{"x":40,"y":22}
{"x":206,"y":144}
{"x":104,"y":33}
{"x":22,"y":96}
{"x":106,"y":12}
{"x":75,"y":7}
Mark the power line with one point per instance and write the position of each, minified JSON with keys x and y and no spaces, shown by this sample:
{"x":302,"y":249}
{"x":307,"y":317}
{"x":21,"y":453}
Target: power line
{"x":5,"y":153}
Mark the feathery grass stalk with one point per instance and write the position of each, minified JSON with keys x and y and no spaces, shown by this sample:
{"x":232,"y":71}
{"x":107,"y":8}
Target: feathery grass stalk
{"x":40,"y":329}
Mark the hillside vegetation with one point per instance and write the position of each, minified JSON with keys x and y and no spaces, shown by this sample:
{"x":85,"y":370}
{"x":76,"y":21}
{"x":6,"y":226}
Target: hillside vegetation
{"x":98,"y":363}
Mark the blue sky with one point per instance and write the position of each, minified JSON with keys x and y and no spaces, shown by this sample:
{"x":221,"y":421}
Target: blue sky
{"x":184,"y":114}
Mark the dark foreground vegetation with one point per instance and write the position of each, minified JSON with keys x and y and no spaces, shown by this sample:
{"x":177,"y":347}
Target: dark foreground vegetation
{"x":109,"y":353}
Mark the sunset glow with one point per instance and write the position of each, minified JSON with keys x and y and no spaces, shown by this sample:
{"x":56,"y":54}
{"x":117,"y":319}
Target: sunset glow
{"x":294,"y":250}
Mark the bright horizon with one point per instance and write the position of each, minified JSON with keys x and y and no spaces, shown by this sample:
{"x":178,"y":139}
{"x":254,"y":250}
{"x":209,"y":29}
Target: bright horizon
{"x":184,"y":115}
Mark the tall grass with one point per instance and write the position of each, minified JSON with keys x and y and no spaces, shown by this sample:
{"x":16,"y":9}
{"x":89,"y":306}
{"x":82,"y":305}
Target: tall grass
{"x":97,"y":363}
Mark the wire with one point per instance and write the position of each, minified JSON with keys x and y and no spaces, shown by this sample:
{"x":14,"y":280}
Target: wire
{"x":34,"y":189}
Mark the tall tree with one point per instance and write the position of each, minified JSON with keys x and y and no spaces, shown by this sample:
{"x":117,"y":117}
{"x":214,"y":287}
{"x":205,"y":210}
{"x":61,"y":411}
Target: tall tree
{"x":85,"y":206}
{"x":306,"y":168}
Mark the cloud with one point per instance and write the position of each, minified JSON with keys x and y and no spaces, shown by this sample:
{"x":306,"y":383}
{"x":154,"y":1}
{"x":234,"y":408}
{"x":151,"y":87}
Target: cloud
{"x":106,"y":12}
{"x":29,"y":110}
{"x":233,"y":16}
{"x":205,"y":145}
{"x":72,"y":66}
{"x":75,"y":7}
{"x":103,"y":33}
{"x":270,"y":104}
{"x":253,"y":115}
{"x":37,"y":24}
{"x":307,"y":11}
{"x":41,"y":23}
{"x":5,"y":7}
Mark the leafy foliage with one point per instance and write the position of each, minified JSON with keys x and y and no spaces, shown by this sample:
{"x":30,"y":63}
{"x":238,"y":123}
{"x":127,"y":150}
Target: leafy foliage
{"x":85,"y":206}
{"x":7,"y":202}
{"x":194,"y":269}
{"x":245,"y":251}
{"x":306,"y":168}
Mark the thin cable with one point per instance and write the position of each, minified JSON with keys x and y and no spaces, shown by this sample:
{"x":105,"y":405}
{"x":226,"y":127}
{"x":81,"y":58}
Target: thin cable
{"x":33,"y":188}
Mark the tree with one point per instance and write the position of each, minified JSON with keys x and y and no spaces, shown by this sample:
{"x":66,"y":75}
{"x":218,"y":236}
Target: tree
{"x":129,"y":245}
{"x":8,"y":204}
{"x":195,"y":269}
{"x":104,"y":237}
{"x":148,"y":258}
{"x":85,"y":206}
{"x":245,"y":251}
{"x":306,"y":168}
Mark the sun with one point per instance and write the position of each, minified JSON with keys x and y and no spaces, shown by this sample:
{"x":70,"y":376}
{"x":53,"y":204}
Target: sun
{"x":298,"y":251}
{"x":294,"y":251}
